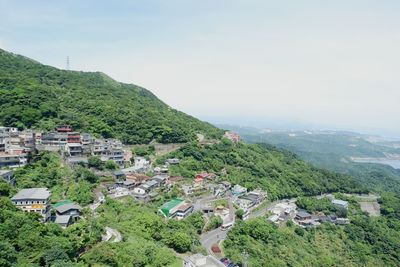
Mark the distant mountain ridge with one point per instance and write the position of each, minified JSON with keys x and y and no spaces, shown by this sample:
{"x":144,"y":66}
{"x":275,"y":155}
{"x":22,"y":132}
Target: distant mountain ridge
{"x":40,"y":96}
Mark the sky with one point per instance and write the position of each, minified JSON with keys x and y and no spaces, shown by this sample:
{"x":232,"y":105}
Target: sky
{"x":330,"y":64}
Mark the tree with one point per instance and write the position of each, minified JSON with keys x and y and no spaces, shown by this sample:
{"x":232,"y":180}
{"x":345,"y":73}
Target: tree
{"x":111,"y":165}
{"x":239,"y":213}
{"x":55,"y":254}
{"x":85,"y":174}
{"x":179,"y":241}
{"x":95,"y":162}
{"x":5,"y":189}
{"x":8,"y":255}
{"x":215,"y":222}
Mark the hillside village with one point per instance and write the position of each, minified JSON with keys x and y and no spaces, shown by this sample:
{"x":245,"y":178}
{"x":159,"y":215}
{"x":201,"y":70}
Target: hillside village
{"x":140,"y":178}
{"x":152,"y":186}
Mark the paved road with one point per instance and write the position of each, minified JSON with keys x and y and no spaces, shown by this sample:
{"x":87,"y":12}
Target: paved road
{"x":215,"y":236}
{"x":210,"y":238}
{"x":110,"y":232}
{"x":94,"y":206}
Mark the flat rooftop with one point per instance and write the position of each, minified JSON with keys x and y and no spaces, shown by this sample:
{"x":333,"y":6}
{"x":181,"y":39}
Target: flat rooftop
{"x":32,"y":193}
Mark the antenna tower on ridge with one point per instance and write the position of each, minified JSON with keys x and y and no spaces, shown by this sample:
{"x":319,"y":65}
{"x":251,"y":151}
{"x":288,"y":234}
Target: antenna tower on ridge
{"x":67,"y":68}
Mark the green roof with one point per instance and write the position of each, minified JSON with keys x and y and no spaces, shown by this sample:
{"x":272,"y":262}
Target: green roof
{"x":167,"y":207}
{"x":61,"y":203}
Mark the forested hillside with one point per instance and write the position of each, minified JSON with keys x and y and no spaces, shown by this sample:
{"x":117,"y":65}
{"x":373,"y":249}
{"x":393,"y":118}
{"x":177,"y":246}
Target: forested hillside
{"x":333,"y":151}
{"x":279,"y":172}
{"x":35,"y":95}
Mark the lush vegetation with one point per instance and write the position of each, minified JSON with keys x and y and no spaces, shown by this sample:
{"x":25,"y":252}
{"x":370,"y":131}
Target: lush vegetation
{"x":282,"y":174}
{"x":35,"y":95}
{"x":143,"y":151}
{"x":365,"y":241}
{"x":148,"y":239}
{"x":333,"y":151}
{"x":25,"y":241}
{"x":214,"y":222}
{"x":48,"y":170}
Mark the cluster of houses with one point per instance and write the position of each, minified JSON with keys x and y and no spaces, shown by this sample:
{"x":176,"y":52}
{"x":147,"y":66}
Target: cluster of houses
{"x":199,"y":184}
{"x":248,"y":200}
{"x":234,"y":137}
{"x":37,"y":200}
{"x":15,"y":146}
{"x":287,"y":210}
{"x":134,"y":181}
{"x":305,"y":219}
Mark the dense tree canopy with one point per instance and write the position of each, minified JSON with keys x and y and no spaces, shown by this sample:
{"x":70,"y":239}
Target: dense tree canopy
{"x":281,"y":173}
{"x":25,"y":241}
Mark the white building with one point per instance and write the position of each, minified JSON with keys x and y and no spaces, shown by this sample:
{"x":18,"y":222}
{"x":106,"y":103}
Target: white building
{"x":340,"y":203}
{"x":199,"y":260}
{"x":239,"y":190}
{"x":34,"y":200}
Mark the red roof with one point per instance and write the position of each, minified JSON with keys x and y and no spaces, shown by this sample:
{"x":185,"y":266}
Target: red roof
{"x":202,"y":175}
{"x":215,"y":248}
{"x":199,"y":179}
{"x":206,"y":175}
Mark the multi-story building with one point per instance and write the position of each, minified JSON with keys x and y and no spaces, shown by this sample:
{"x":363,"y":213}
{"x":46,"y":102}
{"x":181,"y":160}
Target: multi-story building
{"x":54,"y":139}
{"x":13,"y":159}
{"x":34,"y":200}
{"x":73,"y":137}
{"x":74,"y":149}
{"x":109,"y":149}
{"x":87,"y":141}
{"x":8,"y":131}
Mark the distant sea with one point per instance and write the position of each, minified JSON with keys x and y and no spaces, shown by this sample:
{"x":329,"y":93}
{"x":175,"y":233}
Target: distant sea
{"x":395,"y":163}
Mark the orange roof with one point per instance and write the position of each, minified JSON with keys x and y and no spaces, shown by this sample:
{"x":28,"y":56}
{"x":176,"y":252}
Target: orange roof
{"x":199,"y":179}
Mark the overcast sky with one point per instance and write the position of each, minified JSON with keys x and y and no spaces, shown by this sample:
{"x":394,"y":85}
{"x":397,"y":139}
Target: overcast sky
{"x":327,"y":63}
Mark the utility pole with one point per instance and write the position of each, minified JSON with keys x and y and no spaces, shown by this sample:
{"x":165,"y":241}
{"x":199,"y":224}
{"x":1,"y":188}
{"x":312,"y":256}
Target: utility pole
{"x":245,"y":256}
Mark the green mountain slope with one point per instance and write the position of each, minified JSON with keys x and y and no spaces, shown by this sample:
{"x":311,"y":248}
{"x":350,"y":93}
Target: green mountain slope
{"x":282,"y":174}
{"x":35,"y":95}
{"x":333,"y":151}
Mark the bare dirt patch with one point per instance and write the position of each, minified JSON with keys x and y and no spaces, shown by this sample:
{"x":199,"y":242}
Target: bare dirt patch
{"x":372,"y":207}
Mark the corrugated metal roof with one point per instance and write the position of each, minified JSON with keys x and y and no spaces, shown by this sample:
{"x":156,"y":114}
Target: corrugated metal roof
{"x":32,"y":193}
{"x":168,"y":206}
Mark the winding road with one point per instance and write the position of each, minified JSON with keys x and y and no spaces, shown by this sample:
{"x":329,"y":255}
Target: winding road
{"x":217,"y":235}
{"x":213,"y":237}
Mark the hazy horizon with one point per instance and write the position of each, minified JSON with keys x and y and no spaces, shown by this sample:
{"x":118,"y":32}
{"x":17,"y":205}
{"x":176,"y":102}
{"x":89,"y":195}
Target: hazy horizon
{"x":256,"y":61}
